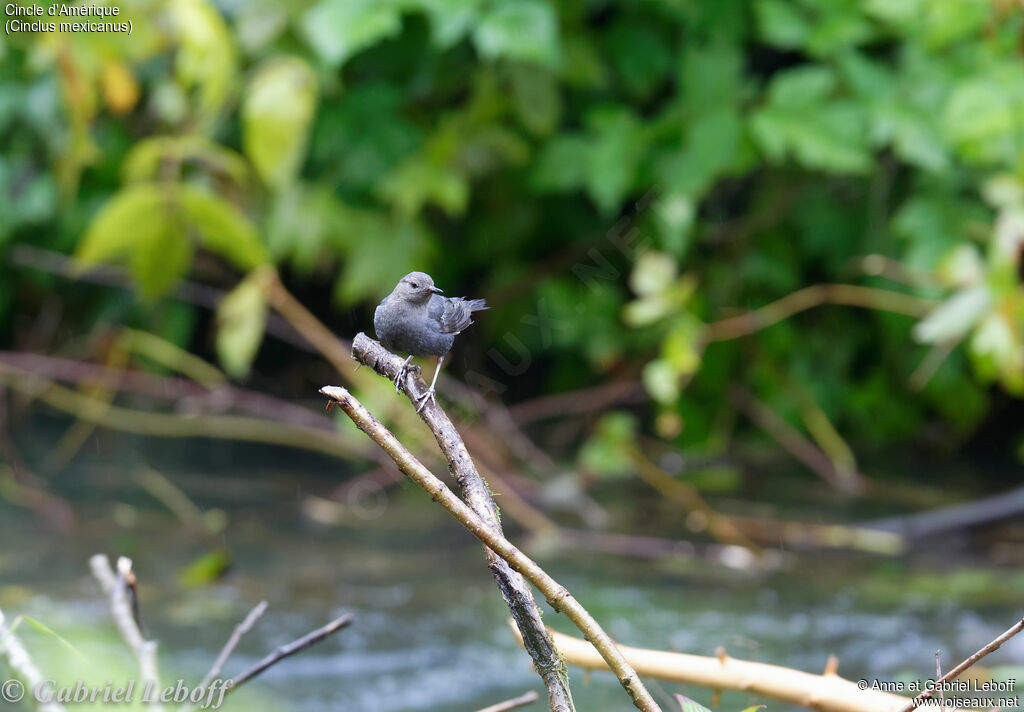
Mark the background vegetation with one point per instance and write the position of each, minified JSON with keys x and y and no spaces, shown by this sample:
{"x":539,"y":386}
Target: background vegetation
{"x":716,"y":236}
{"x":619,"y":179}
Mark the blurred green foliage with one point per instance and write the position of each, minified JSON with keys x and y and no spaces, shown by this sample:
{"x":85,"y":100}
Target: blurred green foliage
{"x":503,"y":146}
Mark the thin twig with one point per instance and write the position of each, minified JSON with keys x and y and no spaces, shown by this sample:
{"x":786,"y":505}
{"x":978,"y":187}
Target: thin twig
{"x":585,"y":400}
{"x":116,"y":587}
{"x":285,"y":651}
{"x":813,"y":296}
{"x":475,"y":491}
{"x":514,"y":703}
{"x":938,"y":675}
{"x":794,"y":442}
{"x":720,"y":526}
{"x":229,"y":427}
{"x":992,"y":646}
{"x":557,"y":595}
{"x":241,"y":629}
{"x":190,"y":397}
{"x":22,"y":666}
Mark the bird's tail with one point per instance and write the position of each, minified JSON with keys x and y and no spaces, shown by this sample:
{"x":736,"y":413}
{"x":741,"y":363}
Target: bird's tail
{"x":476,"y":305}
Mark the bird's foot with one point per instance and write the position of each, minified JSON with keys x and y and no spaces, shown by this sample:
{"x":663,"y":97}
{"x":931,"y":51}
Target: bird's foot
{"x":426,"y":397}
{"x":402,"y":373}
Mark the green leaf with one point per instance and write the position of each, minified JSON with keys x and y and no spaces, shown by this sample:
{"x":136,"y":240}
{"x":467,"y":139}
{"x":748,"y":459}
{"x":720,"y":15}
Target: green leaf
{"x":338,"y":29}
{"x":161,"y":256}
{"x":983,"y":118}
{"x":45,"y":629}
{"x":613,"y":156}
{"x":582,"y":64}
{"x":368,"y":235}
{"x":640,"y":53}
{"x":418,"y":181}
{"x":206,"y":59}
{"x":223,"y":228}
{"x":935,"y":223}
{"x":712,"y":75}
{"x":901,"y":13}
{"x":802,"y":87}
{"x":301,"y":224}
{"x":241,"y":321}
{"x":450,"y":20}
{"x":561,"y":164}
{"x":536,"y":98}
{"x":205,"y":568}
{"x":781,"y":23}
{"x":147,"y":157}
{"x":526,"y":30}
{"x":128,"y":216}
{"x":715,"y":143}
{"x":688,"y":705}
{"x":606,"y":452}
{"x":276,"y":118}
{"x":802,"y":120}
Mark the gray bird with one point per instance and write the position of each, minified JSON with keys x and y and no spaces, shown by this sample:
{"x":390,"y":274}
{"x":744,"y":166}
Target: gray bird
{"x":414,"y":319}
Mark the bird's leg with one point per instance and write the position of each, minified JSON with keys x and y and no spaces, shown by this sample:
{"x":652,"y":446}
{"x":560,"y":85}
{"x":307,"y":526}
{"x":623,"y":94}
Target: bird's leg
{"x":400,"y":379}
{"x":429,"y":395}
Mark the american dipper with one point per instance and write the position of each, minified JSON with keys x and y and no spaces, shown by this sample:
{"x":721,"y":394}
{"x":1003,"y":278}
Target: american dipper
{"x":416,"y":320}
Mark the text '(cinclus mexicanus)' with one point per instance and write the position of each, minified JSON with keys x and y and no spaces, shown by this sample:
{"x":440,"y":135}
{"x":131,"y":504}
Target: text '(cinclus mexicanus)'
{"x":416,"y":320}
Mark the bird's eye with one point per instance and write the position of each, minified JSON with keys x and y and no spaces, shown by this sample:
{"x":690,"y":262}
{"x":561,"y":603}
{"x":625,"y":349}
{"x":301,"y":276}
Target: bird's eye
{"x":414,"y":285}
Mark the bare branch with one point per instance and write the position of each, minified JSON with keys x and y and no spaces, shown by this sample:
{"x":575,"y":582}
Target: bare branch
{"x":241,"y":629}
{"x":475,"y":491}
{"x":795,"y":443}
{"x":813,"y":296}
{"x":723,"y":672}
{"x":990,"y":647}
{"x":515,"y":703}
{"x":557,"y":595}
{"x":229,"y":427}
{"x":116,"y":589}
{"x":295,"y":646}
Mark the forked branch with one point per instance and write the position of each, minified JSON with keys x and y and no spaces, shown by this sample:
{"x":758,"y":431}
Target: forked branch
{"x":557,"y":595}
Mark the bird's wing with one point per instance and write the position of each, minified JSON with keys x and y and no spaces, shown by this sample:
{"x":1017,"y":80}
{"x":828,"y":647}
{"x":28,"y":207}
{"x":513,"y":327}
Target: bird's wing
{"x":454,"y":314}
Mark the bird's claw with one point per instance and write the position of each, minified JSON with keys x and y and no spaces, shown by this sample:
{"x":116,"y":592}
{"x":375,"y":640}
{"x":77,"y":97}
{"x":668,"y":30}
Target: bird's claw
{"x":425,"y":397}
{"x":402,"y":373}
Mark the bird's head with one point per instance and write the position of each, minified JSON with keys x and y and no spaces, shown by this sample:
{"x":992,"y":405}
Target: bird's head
{"x":415,"y":287}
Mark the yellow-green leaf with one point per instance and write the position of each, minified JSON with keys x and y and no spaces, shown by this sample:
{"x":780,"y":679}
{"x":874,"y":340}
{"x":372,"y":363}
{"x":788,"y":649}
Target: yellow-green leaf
{"x":241,"y":320}
{"x":277,"y":116}
{"x":161,"y":257}
{"x":130,"y":215}
{"x":206,"y":58}
{"x":223,"y":228}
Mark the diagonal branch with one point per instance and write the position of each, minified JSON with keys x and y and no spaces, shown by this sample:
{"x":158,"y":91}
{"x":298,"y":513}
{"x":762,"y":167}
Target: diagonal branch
{"x":229,"y":647}
{"x":291,"y":648}
{"x":513,"y":588}
{"x":557,"y":595}
{"x":992,"y":646}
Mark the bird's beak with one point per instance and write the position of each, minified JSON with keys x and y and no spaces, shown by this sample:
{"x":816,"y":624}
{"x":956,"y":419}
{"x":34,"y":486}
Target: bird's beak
{"x":436,"y":290}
